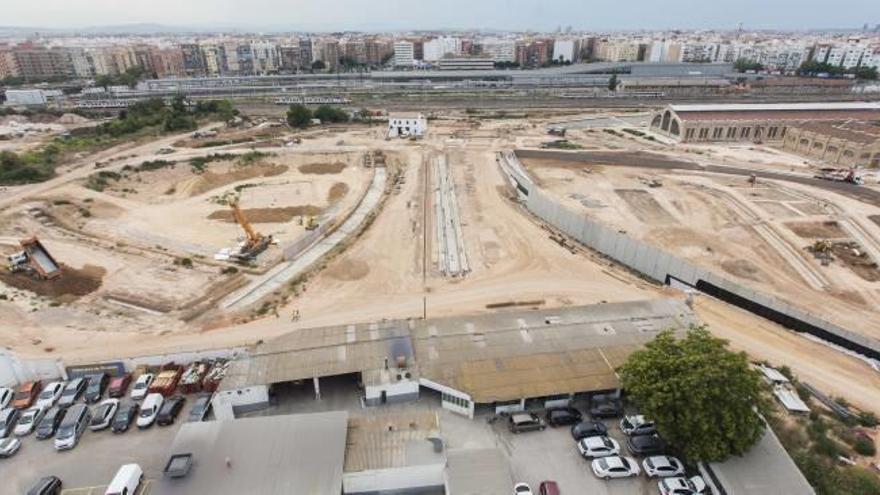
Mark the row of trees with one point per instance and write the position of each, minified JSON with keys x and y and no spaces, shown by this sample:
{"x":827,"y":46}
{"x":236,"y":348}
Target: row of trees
{"x":812,"y":68}
{"x":300,"y":117}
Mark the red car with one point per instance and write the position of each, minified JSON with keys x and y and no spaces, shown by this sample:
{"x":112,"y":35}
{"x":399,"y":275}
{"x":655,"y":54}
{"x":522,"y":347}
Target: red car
{"x":119,"y":385}
{"x":548,"y":488}
{"x":26,"y":394}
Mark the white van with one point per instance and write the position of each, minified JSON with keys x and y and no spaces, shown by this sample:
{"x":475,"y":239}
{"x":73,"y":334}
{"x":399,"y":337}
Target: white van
{"x":126,"y":481}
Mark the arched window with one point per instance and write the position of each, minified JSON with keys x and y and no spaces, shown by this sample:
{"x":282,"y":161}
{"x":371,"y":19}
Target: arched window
{"x":666,"y":118}
{"x":674,"y":128}
{"x":657,"y":120}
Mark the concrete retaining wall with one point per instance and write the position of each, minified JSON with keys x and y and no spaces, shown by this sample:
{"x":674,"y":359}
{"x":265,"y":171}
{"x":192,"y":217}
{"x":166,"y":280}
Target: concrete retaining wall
{"x":662,"y":267}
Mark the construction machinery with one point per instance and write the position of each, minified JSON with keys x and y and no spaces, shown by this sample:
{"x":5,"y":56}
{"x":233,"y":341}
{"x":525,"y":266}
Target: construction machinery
{"x":255,"y":243}
{"x":850,"y":175}
{"x":35,"y":260}
{"x":311,"y":223}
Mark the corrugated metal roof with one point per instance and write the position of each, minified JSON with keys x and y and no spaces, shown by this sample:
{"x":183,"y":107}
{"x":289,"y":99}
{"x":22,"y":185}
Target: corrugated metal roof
{"x":766,"y":107}
{"x":392,"y":441}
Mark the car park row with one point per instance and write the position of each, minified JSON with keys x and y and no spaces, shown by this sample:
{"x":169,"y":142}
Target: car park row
{"x":604,"y":453}
{"x":61,"y":410}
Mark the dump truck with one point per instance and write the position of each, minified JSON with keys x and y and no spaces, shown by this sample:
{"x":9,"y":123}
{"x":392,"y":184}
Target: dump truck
{"x":166,"y":381}
{"x":35,"y":260}
{"x":850,"y":175}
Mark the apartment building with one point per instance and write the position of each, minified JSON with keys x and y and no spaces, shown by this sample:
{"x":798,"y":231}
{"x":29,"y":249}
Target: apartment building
{"x":499,"y":50}
{"x":403,"y":54}
{"x":39,"y":63}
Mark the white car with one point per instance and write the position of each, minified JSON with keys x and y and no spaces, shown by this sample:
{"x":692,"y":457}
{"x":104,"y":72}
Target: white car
{"x":522,"y":489}
{"x":29,"y":420}
{"x":615,"y":467}
{"x":9,"y":446}
{"x":662,"y":466}
{"x":149,"y":410}
{"x":50,"y":394}
{"x":141,"y":386}
{"x":5,"y":397}
{"x":598,"y":447}
{"x":103,"y":414}
{"x":682,"y":486}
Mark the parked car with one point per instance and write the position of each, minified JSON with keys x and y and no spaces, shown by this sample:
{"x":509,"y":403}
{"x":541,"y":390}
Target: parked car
{"x":141,"y":386}
{"x":126,"y":481}
{"x":50,"y":485}
{"x":646,"y":445}
{"x":637,"y":425}
{"x":522,"y":489}
{"x":598,"y":447}
{"x":149,"y":410}
{"x":586,"y":429}
{"x":27,"y":394}
{"x":605,"y":409}
{"x":29,"y":420}
{"x":519,"y":422}
{"x":615,"y":467}
{"x":548,"y":488}
{"x":95,"y":388}
{"x":9,"y":446}
{"x":50,"y":423}
{"x":8,"y":417}
{"x":662,"y":466}
{"x":562,"y":416}
{"x":200,"y":407}
{"x":682,"y":486}
{"x":5,"y":397}
{"x":128,"y":410}
{"x":50,"y":394}
{"x":75,"y":422}
{"x":118,"y":386}
{"x":72,"y":391}
{"x":170,"y":410}
{"x":103,"y":414}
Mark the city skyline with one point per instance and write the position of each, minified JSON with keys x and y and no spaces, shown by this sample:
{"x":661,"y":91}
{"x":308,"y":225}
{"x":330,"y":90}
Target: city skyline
{"x":396,"y":15}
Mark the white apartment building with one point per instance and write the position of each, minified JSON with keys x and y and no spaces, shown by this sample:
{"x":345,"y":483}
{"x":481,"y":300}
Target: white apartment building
{"x":407,"y":124}
{"x":499,"y":50}
{"x":404,"y":54}
{"x":564,"y":50}
{"x":438,"y":48}
{"x":266,"y":58}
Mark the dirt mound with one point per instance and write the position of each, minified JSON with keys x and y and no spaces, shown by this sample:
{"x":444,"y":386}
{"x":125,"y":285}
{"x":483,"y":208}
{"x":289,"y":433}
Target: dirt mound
{"x":72,"y":284}
{"x":348,"y":270}
{"x":817,"y":230}
{"x":337,"y":192}
{"x":741,"y":268}
{"x":212,"y":180}
{"x":72,"y":118}
{"x":268,"y":215}
{"x":322,"y":168}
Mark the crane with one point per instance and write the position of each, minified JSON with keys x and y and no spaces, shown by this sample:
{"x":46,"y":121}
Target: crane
{"x":256,"y":242}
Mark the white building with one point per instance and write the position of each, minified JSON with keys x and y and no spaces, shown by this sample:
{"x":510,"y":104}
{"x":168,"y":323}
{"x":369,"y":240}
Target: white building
{"x":404,"y":54}
{"x":407,"y":124}
{"x":563,"y":50}
{"x":499,"y":50}
{"x":438,"y":48}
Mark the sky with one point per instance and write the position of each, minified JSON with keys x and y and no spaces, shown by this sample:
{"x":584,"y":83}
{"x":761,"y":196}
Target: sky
{"x":328,"y":15}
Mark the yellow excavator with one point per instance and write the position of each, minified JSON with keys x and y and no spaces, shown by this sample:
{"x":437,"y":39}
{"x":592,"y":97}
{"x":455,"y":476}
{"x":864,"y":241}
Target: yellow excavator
{"x":256,"y":242}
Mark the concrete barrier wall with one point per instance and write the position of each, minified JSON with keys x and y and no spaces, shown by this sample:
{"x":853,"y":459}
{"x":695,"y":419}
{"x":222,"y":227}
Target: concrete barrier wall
{"x":660,"y":266}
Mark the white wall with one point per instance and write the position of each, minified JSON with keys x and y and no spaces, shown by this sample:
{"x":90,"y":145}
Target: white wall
{"x":224,"y":401}
{"x":378,"y":480}
{"x":392,"y":389}
{"x":15,"y":371}
{"x":465,"y":410}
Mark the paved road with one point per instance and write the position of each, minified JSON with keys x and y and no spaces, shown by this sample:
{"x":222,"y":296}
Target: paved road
{"x":644,"y":159}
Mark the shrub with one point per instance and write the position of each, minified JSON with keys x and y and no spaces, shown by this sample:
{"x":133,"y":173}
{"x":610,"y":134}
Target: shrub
{"x":865,"y":446}
{"x":868,"y":419}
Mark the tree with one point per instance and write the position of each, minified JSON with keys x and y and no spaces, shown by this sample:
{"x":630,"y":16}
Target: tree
{"x":701,"y":395}
{"x":299,"y":116}
{"x":326,"y":113}
{"x":612,"y":83}
{"x":744,"y":64}
{"x":318,"y":65}
{"x":865,"y":72}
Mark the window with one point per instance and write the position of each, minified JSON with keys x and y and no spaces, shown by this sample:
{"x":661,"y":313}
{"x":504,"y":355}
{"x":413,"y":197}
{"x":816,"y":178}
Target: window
{"x":704,"y":133}
{"x":689,"y":134}
{"x":717,"y":132}
{"x":817,"y":145}
{"x":833,"y":149}
{"x":745,"y":132}
{"x":772,"y":132}
{"x":731,"y":132}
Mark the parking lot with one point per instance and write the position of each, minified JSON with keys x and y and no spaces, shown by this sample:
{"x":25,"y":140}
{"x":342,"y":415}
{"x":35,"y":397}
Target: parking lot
{"x":89,"y":467}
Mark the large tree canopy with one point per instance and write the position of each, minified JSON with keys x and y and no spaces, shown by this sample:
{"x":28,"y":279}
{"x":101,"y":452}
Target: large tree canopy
{"x":702,"y":396}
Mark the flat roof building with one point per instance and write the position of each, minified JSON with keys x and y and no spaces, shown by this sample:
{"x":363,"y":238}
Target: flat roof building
{"x":272,"y":455}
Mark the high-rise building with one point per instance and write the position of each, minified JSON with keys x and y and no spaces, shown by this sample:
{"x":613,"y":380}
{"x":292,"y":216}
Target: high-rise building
{"x":499,"y":50}
{"x":403,"y":54}
{"x":305,"y":52}
{"x":39,"y":63}
{"x":8,"y":65}
{"x":193,"y":60}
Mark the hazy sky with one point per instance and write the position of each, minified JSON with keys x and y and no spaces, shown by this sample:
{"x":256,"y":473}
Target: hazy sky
{"x":426,"y":14}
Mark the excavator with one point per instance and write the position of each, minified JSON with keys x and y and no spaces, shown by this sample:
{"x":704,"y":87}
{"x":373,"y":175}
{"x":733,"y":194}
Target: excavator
{"x":256,"y":242}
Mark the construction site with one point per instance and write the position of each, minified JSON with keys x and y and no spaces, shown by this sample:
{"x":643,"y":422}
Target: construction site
{"x":228,"y":237}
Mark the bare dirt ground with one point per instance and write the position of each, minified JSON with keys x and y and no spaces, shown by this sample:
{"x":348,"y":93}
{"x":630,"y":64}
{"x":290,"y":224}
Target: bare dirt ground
{"x":722,"y":222}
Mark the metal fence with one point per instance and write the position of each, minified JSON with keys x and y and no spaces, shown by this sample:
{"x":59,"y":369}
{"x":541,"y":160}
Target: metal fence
{"x":665,"y":268}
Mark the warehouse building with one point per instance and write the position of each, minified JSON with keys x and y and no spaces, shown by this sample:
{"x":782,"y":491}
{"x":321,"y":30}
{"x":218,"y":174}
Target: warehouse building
{"x":752,"y":122}
{"x":847,"y":144}
{"x":500,"y":361}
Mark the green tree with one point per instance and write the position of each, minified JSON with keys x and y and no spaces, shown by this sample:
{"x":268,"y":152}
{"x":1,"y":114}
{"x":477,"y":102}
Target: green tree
{"x":744,"y":64}
{"x":701,"y":395}
{"x":299,"y":116}
{"x":326,"y":113}
{"x":612,"y":82}
{"x":318,"y":65}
